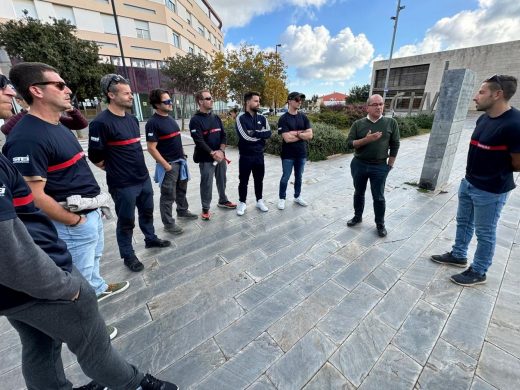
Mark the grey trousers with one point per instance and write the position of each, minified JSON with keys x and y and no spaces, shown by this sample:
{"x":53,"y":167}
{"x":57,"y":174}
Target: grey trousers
{"x":207,"y":171}
{"x":45,"y":325}
{"x":172,"y":190}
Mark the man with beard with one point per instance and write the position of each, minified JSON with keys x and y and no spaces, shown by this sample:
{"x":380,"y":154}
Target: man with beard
{"x":493,"y":156}
{"x":114,"y":145}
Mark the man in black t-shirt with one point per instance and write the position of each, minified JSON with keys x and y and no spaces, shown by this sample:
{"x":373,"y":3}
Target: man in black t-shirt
{"x":296,"y":130}
{"x":115,"y":146}
{"x":46,"y":299}
{"x":493,"y":156}
{"x":53,"y":163}
{"x":164,"y":142}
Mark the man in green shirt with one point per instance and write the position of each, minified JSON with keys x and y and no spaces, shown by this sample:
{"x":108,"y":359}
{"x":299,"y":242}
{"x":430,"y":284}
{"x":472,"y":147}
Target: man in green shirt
{"x":375,"y":140}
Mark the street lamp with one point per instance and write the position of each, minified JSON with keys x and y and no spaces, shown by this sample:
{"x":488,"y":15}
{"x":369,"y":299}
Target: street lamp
{"x":119,"y":40}
{"x":395,"y":19}
{"x":276,"y":85}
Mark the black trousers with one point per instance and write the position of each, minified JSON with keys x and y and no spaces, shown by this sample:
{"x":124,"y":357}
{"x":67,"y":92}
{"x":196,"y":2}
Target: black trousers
{"x":246,"y":165}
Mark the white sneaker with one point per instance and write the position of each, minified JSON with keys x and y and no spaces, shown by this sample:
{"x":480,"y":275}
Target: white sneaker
{"x":300,"y":201}
{"x":260,"y":205}
{"x":241,"y":208}
{"x":281,"y":204}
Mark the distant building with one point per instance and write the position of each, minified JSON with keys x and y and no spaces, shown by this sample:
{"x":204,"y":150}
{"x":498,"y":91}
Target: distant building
{"x":332,"y":99}
{"x":422,"y":74}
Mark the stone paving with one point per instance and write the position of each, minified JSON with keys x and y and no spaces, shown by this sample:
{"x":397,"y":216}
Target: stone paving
{"x":295,"y":299}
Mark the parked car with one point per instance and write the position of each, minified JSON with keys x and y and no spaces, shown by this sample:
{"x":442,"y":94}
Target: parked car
{"x":265,"y":112}
{"x":281,"y":111}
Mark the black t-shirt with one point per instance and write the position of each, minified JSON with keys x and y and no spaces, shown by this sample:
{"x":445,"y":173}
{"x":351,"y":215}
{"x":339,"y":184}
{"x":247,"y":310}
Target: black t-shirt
{"x":51,"y":152}
{"x":165,"y":131}
{"x":16,"y":200}
{"x":289,"y":122}
{"x":208,"y":133}
{"x":117,"y":140}
{"x":489,"y":161}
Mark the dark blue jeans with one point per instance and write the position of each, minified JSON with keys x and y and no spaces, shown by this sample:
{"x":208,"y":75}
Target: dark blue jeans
{"x":126,"y":200}
{"x":376,"y":173}
{"x":287,"y":167}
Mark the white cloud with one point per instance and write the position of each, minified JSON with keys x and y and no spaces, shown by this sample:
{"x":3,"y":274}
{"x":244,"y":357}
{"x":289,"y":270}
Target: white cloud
{"x":318,"y":55}
{"x":493,"y":21}
{"x":238,"y":13}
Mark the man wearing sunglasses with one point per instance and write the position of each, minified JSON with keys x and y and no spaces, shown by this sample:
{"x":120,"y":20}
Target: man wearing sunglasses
{"x":295,"y":129}
{"x":115,"y":146}
{"x":164,"y":142}
{"x":493,"y":156}
{"x":209,"y":136}
{"x":375,"y":140}
{"x":46,"y":299}
{"x":52,"y":162}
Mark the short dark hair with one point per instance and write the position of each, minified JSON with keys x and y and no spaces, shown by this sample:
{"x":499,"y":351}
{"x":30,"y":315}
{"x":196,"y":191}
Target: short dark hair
{"x":109,"y":83}
{"x":503,"y":82}
{"x":198,"y":95}
{"x":155,"y":96}
{"x":26,"y":74}
{"x":249,"y":95}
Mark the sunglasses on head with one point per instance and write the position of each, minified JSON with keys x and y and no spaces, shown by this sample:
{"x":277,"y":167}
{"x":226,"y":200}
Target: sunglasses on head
{"x":496,"y":79}
{"x":116,"y":79}
{"x":167,"y":102}
{"x":61,"y":85}
{"x":4,"y":82}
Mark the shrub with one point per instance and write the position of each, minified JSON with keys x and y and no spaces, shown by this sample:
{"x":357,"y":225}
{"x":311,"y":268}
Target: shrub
{"x":407,"y":126}
{"x":423,"y":121}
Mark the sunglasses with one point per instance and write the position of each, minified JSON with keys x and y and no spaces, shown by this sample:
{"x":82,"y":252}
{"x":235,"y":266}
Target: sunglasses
{"x":207,"y":98}
{"x":496,"y":79}
{"x":117,"y":79}
{"x":167,"y":102}
{"x":297,"y":99}
{"x":4,"y":82}
{"x":61,"y":85}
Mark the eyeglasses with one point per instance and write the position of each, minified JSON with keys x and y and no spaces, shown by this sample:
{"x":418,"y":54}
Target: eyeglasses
{"x":116,"y":79}
{"x":496,"y":79}
{"x":61,"y":85}
{"x":207,"y":98}
{"x":376,"y":104}
{"x":167,"y":102}
{"x":297,"y":99}
{"x":4,"y":82}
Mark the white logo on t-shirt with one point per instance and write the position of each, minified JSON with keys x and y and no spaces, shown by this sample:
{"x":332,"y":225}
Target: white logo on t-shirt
{"x":95,"y":139}
{"x":21,"y":160}
{"x":2,"y":190}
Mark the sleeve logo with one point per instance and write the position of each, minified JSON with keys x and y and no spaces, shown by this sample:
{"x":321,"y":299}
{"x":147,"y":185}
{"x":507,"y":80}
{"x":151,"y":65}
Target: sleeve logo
{"x":21,"y":160}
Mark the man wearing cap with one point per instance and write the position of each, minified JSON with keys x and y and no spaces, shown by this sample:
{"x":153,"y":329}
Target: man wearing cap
{"x":295,"y":129}
{"x":53,"y":163}
{"x":493,"y":156}
{"x":209,"y":136}
{"x":375,"y":140}
{"x":114,"y":145}
{"x":164,"y":141}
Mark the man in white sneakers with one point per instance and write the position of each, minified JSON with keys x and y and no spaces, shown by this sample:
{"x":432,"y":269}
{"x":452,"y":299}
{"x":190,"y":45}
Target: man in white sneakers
{"x":253,"y":130}
{"x":296,"y":130}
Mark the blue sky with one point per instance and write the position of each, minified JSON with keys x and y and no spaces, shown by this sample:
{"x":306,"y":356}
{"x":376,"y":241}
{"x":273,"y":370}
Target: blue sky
{"x":329,"y":45}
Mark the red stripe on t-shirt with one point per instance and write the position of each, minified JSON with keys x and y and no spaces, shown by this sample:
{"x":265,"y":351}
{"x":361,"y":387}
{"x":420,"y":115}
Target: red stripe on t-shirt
{"x":124,"y":142}
{"x":170,"y":135}
{"x":23,"y":200}
{"x":487,"y":147}
{"x":211,"y":131}
{"x":67,"y":163}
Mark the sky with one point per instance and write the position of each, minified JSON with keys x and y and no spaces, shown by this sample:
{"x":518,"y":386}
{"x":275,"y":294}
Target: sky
{"x":330,"y":45}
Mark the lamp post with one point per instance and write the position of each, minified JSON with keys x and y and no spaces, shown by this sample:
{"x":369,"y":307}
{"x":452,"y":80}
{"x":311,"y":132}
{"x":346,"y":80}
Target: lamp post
{"x":276,"y":85}
{"x":125,"y":70}
{"x":395,"y":19}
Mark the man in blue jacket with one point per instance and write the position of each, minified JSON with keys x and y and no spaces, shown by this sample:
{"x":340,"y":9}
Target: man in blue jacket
{"x":252,"y":130}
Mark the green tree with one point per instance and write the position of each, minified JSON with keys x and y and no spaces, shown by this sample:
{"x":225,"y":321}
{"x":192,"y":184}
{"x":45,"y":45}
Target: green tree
{"x":188,"y":74}
{"x":218,"y":77}
{"x":55,"y":43}
{"x":358,"y":94}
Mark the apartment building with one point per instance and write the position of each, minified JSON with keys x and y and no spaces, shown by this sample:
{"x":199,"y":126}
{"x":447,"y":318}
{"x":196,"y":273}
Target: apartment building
{"x":150,"y":31}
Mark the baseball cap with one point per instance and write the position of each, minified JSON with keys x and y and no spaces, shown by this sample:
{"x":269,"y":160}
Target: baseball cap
{"x":294,"y":95}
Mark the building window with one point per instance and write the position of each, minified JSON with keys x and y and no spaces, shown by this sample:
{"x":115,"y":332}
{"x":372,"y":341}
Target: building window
{"x":23,"y":6}
{"x":143,"y":29}
{"x":171,"y":5}
{"x":109,"y":25}
{"x":137,"y":63}
{"x":66,"y":13}
{"x":176,"y":40}
{"x":188,"y":18}
{"x":201,"y":31}
{"x":150,"y":64}
{"x":117,"y":61}
{"x":190,"y":50}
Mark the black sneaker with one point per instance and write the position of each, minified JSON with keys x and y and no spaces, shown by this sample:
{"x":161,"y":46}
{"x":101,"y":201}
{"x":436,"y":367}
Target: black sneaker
{"x":151,"y":383}
{"x":449,"y":259}
{"x":133,"y":263}
{"x":90,"y":386}
{"x":354,"y":221}
{"x":157,"y":243}
{"x":187,"y":214}
{"x":469,"y":278}
{"x":174,"y":229}
{"x":381,"y":230}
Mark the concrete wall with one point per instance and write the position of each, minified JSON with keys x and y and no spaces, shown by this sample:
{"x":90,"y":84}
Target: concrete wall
{"x":485,"y":61}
